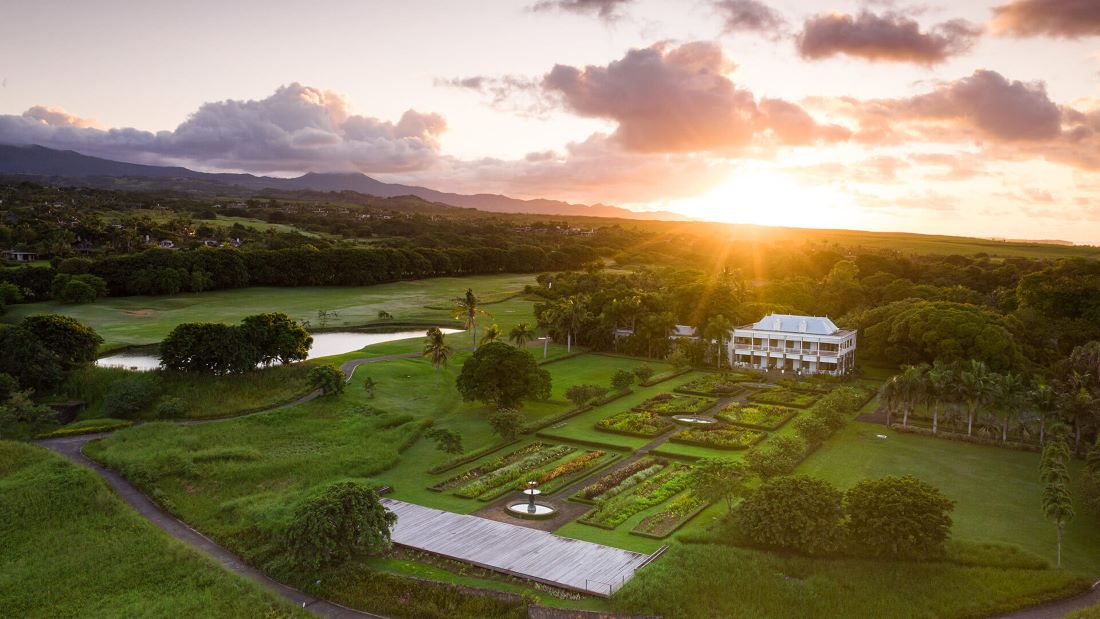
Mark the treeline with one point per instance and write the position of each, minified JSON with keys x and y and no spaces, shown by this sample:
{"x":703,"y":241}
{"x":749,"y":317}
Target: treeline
{"x":158,"y":271}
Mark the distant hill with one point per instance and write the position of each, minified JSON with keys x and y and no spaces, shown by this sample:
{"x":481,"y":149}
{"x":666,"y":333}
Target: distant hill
{"x":70,"y":165}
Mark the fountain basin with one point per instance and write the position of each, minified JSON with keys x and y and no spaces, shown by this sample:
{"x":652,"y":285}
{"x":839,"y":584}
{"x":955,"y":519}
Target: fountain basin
{"x":694,"y":420}
{"x":542,"y":511}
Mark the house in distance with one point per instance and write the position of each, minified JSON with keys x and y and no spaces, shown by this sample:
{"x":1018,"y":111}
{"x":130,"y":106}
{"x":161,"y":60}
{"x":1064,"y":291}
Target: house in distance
{"x":802,"y":344}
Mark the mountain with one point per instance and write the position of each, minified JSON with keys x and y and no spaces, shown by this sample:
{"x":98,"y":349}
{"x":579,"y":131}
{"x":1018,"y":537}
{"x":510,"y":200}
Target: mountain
{"x":75,"y":167}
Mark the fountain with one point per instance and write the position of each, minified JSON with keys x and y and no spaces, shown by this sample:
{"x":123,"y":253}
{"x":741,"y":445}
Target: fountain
{"x":694,"y":420}
{"x":530,"y":509}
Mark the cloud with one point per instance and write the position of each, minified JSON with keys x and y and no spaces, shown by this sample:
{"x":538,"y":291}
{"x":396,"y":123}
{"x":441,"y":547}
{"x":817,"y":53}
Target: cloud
{"x":750,"y":16}
{"x":607,"y":10}
{"x":596,"y":169}
{"x":297,"y":128}
{"x":511,"y":93}
{"x":57,"y":117}
{"x":1058,"y":18}
{"x":678,"y":99}
{"x":890,"y":37}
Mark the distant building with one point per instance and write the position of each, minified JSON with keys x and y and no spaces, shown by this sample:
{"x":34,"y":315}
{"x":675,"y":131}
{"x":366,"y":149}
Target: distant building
{"x":806,"y":344}
{"x":17,"y":255}
{"x":683,"y":332}
{"x":166,"y":244}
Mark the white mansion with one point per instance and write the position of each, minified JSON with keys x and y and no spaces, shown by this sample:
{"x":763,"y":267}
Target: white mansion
{"x":810,"y":344}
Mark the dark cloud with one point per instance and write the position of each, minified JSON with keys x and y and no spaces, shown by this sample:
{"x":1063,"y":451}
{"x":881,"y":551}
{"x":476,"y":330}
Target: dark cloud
{"x":607,"y":10}
{"x":889,"y":37}
{"x":295,"y":129}
{"x":750,"y":16}
{"x":1057,"y":18}
{"x":678,"y":99}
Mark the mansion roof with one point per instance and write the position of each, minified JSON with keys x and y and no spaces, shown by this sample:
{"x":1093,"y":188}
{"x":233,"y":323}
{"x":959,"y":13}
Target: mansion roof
{"x":788,"y":323}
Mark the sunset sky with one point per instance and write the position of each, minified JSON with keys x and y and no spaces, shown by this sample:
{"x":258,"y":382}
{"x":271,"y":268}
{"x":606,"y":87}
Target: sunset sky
{"x":971,"y":117}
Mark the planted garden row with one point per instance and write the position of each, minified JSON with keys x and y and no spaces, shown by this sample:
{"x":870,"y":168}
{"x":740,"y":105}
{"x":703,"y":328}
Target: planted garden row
{"x":758,"y":416}
{"x":785,"y":397}
{"x":646,"y":488}
{"x":667,"y":404}
{"x":553,"y":466}
{"x":716,"y":384}
{"x":727,"y":437}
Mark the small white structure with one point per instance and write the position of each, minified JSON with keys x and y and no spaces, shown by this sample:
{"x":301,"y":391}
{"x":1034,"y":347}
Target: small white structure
{"x":806,"y":344}
{"x":16,"y":255}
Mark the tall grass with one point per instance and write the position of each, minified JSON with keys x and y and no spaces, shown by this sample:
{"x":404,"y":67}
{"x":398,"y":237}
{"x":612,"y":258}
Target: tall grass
{"x":723,"y":581}
{"x":70,"y":548}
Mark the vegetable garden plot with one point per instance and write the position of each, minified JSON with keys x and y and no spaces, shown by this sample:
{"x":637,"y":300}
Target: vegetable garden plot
{"x":758,"y":416}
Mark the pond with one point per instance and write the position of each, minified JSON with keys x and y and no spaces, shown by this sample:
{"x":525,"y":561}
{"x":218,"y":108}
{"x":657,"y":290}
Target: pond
{"x":324,"y":345}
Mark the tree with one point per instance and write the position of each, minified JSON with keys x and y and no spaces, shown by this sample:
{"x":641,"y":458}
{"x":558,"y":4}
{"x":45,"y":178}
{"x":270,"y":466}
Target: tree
{"x":938,"y":381}
{"x":206,"y":347}
{"x":85,"y":288}
{"x":1056,"y":497}
{"x":446,"y":440}
{"x":503,"y":376}
{"x":621,"y":380}
{"x":275,"y":336}
{"x":436,"y":348}
{"x":1010,"y":391}
{"x":345,"y":519}
{"x":976,"y":384}
{"x":644,"y":373}
{"x":467,"y":310}
{"x":507,"y":423}
{"x":813,"y":430}
{"x":370,"y":386}
{"x":521,"y":335}
{"x":718,"y":479}
{"x":679,"y":359}
{"x":26,"y":359}
{"x":718,"y":330}
{"x":798,"y":513}
{"x":384,"y":315}
{"x":898,"y":517}
{"x":129,"y":396}
{"x":19,"y":415}
{"x":328,"y":379}
{"x":73,"y":342}
{"x":492,"y":334}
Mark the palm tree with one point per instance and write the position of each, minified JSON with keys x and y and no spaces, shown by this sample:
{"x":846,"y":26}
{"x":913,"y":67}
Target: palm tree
{"x":522,"y":334}
{"x":718,"y":329}
{"x":975,"y":385}
{"x":436,"y":348}
{"x":655,"y":329}
{"x":938,"y":381}
{"x":566,"y":315}
{"x":911,"y":387}
{"x":890,"y":395}
{"x":1010,"y":390}
{"x":1043,"y":396}
{"x":466,"y":309}
{"x":492,"y":334}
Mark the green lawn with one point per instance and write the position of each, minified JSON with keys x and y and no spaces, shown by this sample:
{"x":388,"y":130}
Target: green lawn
{"x":128,"y":321}
{"x":69,"y":547}
{"x":996,"y":490}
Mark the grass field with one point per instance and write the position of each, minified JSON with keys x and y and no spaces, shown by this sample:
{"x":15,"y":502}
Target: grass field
{"x":129,"y":321}
{"x":70,"y":548}
{"x":996,"y":490}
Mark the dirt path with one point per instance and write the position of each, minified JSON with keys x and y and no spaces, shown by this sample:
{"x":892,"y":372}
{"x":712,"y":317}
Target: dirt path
{"x":1058,"y":608}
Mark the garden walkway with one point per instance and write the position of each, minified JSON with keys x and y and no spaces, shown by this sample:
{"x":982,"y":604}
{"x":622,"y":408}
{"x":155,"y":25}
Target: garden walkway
{"x":515,"y":550}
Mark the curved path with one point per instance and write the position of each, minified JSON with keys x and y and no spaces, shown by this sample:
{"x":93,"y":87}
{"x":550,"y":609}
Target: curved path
{"x":72,"y":448}
{"x":1058,"y":608}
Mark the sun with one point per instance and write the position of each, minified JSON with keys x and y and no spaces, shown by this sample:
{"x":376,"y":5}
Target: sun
{"x":770,"y":197}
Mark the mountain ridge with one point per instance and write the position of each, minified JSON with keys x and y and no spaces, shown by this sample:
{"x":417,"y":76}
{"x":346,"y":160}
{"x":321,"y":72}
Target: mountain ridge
{"x":32,"y":159}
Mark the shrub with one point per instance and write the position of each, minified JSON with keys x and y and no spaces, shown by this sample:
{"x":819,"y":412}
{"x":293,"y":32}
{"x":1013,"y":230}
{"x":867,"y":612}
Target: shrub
{"x":344,"y":519}
{"x":801,"y":513}
{"x":506,"y":423}
{"x":622,"y":380}
{"x":171,"y":407}
{"x":813,"y":430}
{"x":580,"y":395}
{"x":897,"y":517}
{"x":779,"y":457}
{"x":328,"y":379}
{"x":644,"y":373}
{"x":128,"y":397}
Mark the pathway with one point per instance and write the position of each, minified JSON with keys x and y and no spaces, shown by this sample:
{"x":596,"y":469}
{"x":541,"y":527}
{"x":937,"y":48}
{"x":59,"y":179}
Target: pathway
{"x":1058,"y":608}
{"x":71,"y":448}
{"x":515,"y":550}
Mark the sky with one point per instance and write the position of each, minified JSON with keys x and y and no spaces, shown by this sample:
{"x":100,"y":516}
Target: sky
{"x":970,"y":117}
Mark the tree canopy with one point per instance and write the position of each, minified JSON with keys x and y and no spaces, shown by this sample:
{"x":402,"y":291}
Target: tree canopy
{"x":503,"y":376}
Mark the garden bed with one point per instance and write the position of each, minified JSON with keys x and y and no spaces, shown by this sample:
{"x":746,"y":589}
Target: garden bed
{"x":635,"y":423}
{"x":785,"y":397}
{"x":675,"y":514}
{"x":616,"y":481}
{"x":667,"y":404}
{"x":812,"y":385}
{"x":757,"y":416}
{"x":636,"y":493}
{"x":722,"y":437}
{"x":553,"y":466}
{"x":715,"y":384}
